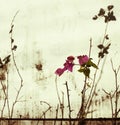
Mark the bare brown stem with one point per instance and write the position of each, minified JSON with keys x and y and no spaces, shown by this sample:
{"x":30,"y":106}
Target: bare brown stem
{"x":15,"y":64}
{"x":62,"y":105}
{"x":69,"y":105}
{"x":57,"y":91}
{"x":81,"y":113}
{"x":116,"y":71}
{"x":90,"y":48}
{"x":56,"y":114}
{"x":7,"y":93}
{"x":60,"y":102}
{"x":95,"y":83}
{"x":5,"y":100}
{"x":105,"y":33}
{"x":49,"y":108}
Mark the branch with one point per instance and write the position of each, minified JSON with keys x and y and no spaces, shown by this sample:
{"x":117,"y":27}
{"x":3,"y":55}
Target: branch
{"x":69,"y":106}
{"x":90,"y":48}
{"x":15,"y":64}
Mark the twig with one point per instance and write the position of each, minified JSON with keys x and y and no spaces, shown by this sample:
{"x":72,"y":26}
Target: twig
{"x":44,"y":113}
{"x":116,"y":88}
{"x":105,"y":33}
{"x":111,"y":103}
{"x":5,"y":100}
{"x":61,"y":105}
{"x":15,"y":64}
{"x":90,"y":48}
{"x":69,"y":105}
{"x":8,"y":96}
{"x":57,"y":91}
{"x":56,"y":114}
{"x":81,"y":113}
{"x":94,"y":84}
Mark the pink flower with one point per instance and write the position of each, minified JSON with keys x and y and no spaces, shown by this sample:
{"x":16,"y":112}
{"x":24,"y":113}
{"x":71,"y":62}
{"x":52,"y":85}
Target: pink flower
{"x":68,"y":66}
{"x":70,"y":59}
{"x":59,"y":71}
{"x":83,"y":59}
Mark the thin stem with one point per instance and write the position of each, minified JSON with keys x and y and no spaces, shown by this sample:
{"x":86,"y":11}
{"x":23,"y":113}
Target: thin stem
{"x":116,"y":88}
{"x":57,"y":91}
{"x":13,"y":106}
{"x":8,"y":96}
{"x":105,"y":33}
{"x":111,"y":102}
{"x":90,"y":48}
{"x":69,"y":105}
{"x":56,"y":114}
{"x":61,"y":105}
{"x":94,"y":84}
{"x":15,"y":64}
{"x":49,"y":108}
{"x":5,"y":100}
{"x":81,"y":113}
{"x":44,"y":113}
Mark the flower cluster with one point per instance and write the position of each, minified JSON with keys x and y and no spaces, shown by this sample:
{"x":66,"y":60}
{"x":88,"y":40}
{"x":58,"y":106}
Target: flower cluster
{"x":68,"y":65}
{"x":84,"y":62}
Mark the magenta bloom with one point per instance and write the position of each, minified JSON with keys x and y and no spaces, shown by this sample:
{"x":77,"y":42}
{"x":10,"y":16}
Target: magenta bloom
{"x":68,"y":66}
{"x":59,"y":71}
{"x":70,"y":59}
{"x":83,"y":59}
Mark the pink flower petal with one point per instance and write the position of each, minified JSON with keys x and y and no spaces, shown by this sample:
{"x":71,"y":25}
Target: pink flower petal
{"x":59,"y":71}
{"x":68,"y":66}
{"x":70,"y":59}
{"x":83,"y":59}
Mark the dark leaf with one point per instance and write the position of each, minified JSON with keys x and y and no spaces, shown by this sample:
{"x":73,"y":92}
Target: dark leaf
{"x":88,"y":85}
{"x":101,"y":54}
{"x":95,"y":17}
{"x":14,"y":48}
{"x":106,"y":19}
{"x":1,"y":62}
{"x":101,"y":12}
{"x":105,"y":51}
{"x":87,"y":72}
{"x":100,"y":46}
{"x":107,"y":47}
{"x":111,"y":16}
{"x":7,"y":59}
{"x":12,"y":40}
{"x":106,"y":37}
{"x":10,"y":31}
{"x":110,"y":7}
{"x":12,"y":26}
{"x":81,"y":69}
{"x":94,"y":65}
{"x":90,"y":63}
{"x":110,"y":13}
